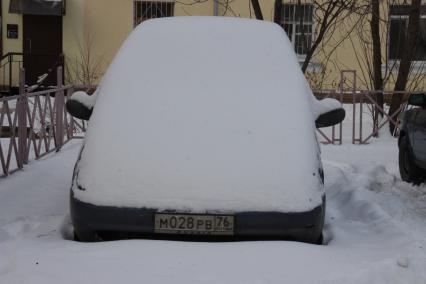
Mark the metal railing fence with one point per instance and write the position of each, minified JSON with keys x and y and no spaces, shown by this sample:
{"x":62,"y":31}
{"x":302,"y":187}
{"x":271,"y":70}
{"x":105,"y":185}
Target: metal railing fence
{"x":35,"y":123}
{"x":365,"y":118}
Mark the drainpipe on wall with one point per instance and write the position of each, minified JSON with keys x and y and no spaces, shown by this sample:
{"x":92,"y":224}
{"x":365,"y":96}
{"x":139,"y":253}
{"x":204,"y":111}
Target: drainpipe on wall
{"x":215,"y":8}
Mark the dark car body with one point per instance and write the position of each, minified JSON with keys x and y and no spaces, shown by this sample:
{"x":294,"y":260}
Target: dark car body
{"x":92,"y":223}
{"x":412,"y":141}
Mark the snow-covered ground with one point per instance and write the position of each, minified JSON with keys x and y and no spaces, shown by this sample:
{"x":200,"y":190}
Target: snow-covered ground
{"x":375,"y":233}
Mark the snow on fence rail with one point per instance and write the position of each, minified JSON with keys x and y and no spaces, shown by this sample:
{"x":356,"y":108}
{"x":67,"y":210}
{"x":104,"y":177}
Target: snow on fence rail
{"x":33,"y":124}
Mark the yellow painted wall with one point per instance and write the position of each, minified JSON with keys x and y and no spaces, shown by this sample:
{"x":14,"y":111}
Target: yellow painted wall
{"x":11,"y":45}
{"x":107,"y":24}
{"x":72,"y":37}
{"x":343,"y":55}
{"x":243,"y":9}
{"x":200,"y":9}
{"x":93,"y":31}
{"x":349,"y":54}
{"x":341,"y":52}
{"x":73,"y":27}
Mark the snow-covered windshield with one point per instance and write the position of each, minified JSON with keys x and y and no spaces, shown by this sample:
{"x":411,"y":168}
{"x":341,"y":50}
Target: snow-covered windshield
{"x":219,"y":106}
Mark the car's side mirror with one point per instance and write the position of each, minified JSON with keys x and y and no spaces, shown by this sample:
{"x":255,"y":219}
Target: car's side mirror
{"x":330,"y":118}
{"x":329,"y":113}
{"x":80,"y":105}
{"x":417,"y":100}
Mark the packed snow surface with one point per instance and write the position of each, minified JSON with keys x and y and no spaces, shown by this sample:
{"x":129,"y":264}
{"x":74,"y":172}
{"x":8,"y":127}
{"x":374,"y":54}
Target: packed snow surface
{"x":375,"y":232}
{"x":225,"y":115}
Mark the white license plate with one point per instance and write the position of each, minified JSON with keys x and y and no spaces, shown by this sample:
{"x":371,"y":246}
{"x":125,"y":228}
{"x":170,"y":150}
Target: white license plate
{"x":194,"y":224}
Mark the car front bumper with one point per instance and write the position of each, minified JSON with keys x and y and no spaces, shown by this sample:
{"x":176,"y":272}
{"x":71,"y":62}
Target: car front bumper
{"x":89,"y":219}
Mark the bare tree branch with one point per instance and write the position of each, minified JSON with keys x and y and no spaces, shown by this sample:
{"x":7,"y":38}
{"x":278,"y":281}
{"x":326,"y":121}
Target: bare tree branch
{"x":257,"y":10}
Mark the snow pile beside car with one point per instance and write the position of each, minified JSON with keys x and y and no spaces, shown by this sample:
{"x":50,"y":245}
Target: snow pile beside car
{"x":221,"y":117}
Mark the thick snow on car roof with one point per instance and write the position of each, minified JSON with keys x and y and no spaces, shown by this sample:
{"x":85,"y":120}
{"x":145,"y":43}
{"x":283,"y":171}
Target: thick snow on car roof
{"x":203,"y":113}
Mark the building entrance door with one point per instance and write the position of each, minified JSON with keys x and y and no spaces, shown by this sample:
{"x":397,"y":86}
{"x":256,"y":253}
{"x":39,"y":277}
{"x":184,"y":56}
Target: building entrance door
{"x":42,"y":47}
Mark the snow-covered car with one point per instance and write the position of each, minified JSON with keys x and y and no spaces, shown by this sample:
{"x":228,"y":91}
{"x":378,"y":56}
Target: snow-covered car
{"x":202,"y":126}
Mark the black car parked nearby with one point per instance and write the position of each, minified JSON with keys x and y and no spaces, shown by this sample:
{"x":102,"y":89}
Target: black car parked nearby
{"x":412,"y":141}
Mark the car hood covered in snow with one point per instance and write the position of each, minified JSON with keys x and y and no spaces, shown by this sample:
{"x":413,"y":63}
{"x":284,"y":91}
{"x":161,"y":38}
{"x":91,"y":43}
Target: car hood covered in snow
{"x":200,"y":114}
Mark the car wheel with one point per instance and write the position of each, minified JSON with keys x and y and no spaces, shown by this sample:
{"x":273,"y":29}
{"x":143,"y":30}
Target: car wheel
{"x":85,"y":236}
{"x":409,"y":171}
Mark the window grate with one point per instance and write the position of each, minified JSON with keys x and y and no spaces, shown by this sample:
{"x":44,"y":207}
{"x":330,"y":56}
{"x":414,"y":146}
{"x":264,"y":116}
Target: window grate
{"x":297,"y":21}
{"x":398,"y":24}
{"x":144,"y":10}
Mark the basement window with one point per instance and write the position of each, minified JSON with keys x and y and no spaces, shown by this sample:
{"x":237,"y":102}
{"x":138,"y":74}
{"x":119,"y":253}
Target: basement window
{"x":144,"y":10}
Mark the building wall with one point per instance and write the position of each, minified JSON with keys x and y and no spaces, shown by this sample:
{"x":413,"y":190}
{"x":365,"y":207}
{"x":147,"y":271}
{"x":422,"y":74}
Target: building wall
{"x":108,"y":23}
{"x":243,"y":9}
{"x":343,"y":50}
{"x":94,"y":30}
{"x":73,"y":29}
{"x":11,"y":45}
{"x":106,"y":28}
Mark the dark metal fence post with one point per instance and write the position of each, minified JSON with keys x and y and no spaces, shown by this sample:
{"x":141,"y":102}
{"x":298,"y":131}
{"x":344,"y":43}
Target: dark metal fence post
{"x":71,"y":119}
{"x":59,"y":119}
{"x":10,"y":58}
{"x":341,"y":123}
{"x":21,"y":109}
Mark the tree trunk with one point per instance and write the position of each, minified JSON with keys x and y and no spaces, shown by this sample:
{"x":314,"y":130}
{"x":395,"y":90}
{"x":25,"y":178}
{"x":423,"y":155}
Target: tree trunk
{"x":277,"y":11}
{"x":377,"y":59}
{"x":407,"y":56}
{"x":257,"y":10}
